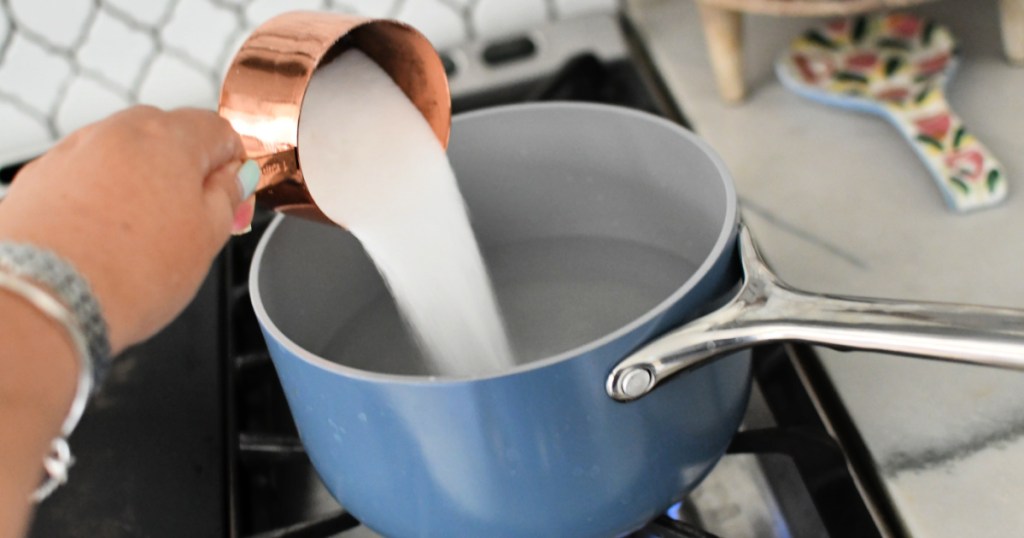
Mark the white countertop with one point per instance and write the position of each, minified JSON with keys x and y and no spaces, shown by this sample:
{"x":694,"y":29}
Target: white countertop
{"x":840,"y":204}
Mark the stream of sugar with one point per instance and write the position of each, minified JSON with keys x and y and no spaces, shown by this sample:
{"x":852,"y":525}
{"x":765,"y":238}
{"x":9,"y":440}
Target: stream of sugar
{"x":372,"y":164}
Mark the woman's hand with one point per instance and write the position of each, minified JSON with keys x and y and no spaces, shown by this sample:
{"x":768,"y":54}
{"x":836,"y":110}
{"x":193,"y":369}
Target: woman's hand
{"x":139,"y":203}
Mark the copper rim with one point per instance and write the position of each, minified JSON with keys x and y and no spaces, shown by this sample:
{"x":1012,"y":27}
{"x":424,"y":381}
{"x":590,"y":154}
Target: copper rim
{"x":266,"y":82}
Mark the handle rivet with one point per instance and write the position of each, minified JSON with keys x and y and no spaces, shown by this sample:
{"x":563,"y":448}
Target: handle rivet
{"x":636,"y":382}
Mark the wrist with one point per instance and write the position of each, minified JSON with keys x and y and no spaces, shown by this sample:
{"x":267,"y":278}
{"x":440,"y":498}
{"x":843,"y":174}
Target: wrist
{"x":55,"y":290}
{"x":39,"y":367}
{"x":89,"y":259}
{"x":38,"y":376}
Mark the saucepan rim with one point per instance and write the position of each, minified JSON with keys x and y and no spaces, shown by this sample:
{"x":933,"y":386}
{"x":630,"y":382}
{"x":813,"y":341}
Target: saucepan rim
{"x":725,"y":240}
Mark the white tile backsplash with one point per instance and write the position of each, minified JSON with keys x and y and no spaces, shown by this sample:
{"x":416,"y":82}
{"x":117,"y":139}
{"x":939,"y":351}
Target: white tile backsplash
{"x":19,"y":130}
{"x":64,"y":63}
{"x":172,"y":82}
{"x":115,"y":50}
{"x":370,"y":8}
{"x":440,"y":22}
{"x":199,"y":29}
{"x":59,"y":22}
{"x":85,"y":100}
{"x":5,"y":30}
{"x":33,"y":75}
{"x":261,"y":10}
{"x":146,"y":12}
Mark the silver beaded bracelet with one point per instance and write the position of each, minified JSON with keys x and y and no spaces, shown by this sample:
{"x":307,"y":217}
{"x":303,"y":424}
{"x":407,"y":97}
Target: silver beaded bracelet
{"x":52,"y":285}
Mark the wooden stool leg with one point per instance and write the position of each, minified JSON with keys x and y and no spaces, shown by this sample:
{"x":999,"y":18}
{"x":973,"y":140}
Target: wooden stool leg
{"x":723,"y":31}
{"x":1012,"y":14}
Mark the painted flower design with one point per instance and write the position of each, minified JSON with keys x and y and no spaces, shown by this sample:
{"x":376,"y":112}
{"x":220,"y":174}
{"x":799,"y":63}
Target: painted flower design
{"x":935,"y":127}
{"x":838,"y":26}
{"x":896,"y":95}
{"x":862,"y":61}
{"x":814,"y":70}
{"x":933,"y":65}
{"x":896,"y":65}
{"x":967,"y":165}
{"x":904,"y":25}
{"x":894,"y":58}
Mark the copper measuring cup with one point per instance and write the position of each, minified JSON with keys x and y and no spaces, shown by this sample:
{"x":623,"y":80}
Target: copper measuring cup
{"x":263,"y":90}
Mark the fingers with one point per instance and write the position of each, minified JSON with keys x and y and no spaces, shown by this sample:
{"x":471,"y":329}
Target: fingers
{"x":230,"y":180}
{"x":204,"y":145}
{"x":248,"y":178}
{"x":243,"y":217}
{"x":221,"y":196}
{"x":235,"y":180}
{"x":208,"y":134}
{"x":228,"y":192}
{"x":207,"y":140}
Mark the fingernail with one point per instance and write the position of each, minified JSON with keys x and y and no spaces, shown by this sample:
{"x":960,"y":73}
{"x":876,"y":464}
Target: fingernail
{"x":248,"y":177}
{"x":243,"y":219}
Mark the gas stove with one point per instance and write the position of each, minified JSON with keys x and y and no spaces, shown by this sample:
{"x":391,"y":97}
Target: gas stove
{"x":193,"y":437}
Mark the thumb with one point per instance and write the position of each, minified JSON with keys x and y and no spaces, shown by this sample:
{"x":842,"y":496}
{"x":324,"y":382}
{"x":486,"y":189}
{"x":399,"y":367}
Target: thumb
{"x":248,"y":177}
{"x":243,"y":217}
{"x":229,"y":197}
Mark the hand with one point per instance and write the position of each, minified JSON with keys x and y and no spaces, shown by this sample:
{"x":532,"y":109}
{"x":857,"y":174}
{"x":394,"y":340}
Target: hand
{"x":140,"y":204}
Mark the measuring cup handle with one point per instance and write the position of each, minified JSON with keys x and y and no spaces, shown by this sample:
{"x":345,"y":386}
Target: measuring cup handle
{"x":766,"y":310}
{"x":967,"y":174}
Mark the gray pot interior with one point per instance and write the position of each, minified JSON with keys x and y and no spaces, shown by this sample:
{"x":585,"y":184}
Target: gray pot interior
{"x":591,"y":219}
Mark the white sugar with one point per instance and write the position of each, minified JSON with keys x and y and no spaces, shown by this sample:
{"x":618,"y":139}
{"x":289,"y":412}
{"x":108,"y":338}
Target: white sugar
{"x":373,"y":164}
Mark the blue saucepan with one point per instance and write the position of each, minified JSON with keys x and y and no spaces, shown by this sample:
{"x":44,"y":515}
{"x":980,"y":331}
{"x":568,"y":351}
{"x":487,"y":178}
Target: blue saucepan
{"x":603,"y":229}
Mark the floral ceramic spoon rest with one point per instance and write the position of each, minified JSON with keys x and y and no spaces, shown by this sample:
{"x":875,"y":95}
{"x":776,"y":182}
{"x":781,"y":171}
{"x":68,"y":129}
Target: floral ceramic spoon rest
{"x":896,"y":66}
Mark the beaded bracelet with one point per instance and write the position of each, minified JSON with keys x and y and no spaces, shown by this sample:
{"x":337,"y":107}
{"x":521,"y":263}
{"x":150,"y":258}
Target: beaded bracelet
{"x":64,"y":283}
{"x":53,"y":287}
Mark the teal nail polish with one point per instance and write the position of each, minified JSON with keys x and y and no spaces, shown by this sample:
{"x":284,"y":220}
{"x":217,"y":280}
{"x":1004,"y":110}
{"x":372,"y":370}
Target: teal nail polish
{"x":248,"y":177}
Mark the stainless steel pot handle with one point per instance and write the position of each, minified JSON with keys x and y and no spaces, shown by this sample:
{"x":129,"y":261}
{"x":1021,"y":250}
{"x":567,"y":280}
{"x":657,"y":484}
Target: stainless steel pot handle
{"x":767,"y":310}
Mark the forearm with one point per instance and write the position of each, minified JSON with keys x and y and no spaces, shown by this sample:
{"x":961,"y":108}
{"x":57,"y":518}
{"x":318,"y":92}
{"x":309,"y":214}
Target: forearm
{"x":138,"y":205}
{"x":38,"y":370}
